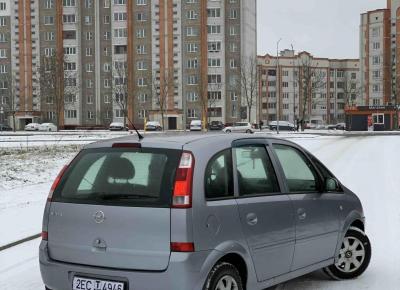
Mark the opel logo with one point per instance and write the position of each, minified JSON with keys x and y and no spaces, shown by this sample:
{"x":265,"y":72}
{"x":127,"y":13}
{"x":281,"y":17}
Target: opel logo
{"x":99,"y":217}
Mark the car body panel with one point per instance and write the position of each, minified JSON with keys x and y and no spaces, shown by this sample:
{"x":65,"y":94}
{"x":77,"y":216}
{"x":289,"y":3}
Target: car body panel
{"x":32,"y":127}
{"x":216,"y":227}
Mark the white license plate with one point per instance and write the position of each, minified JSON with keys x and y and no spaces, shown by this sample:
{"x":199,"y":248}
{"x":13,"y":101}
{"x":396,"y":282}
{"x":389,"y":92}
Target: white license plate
{"x":80,"y":283}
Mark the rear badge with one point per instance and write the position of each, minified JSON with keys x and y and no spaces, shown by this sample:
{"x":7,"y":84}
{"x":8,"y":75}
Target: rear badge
{"x":99,"y":217}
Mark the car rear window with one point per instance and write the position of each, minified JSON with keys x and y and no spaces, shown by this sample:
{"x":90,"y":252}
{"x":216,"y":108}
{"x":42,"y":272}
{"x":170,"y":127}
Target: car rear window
{"x":120,"y":177}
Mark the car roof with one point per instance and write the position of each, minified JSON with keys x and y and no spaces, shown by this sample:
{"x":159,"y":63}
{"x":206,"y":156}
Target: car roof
{"x":174,"y":141}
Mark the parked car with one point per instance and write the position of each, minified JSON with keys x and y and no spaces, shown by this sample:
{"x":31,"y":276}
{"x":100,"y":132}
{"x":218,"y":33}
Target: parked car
{"x":32,"y":127}
{"x":283,"y":126}
{"x":198,"y":212}
{"x":196,"y":125}
{"x":240,"y":127}
{"x":310,"y":126}
{"x":216,"y":125}
{"x":153,"y":126}
{"x":50,"y":127}
{"x":118,"y":126}
{"x":4,"y":127}
{"x":339,"y":126}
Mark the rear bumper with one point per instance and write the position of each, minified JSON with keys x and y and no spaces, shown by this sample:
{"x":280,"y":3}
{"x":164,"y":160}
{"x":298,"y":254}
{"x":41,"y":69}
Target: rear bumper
{"x":185,"y":271}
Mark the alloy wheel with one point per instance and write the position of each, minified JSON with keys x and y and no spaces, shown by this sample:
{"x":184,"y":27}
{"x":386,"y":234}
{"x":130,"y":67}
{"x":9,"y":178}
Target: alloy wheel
{"x":351,"y":255}
{"x":227,"y":283}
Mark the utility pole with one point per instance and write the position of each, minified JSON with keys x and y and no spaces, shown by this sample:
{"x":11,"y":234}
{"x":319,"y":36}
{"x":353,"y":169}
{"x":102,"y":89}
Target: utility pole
{"x":294,"y":87}
{"x":277,"y":86}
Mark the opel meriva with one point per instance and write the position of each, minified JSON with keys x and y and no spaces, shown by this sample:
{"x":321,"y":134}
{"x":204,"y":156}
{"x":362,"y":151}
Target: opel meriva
{"x":198,"y":212}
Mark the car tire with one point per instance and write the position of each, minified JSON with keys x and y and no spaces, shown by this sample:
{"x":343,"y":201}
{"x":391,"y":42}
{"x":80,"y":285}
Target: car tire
{"x":221,"y":275}
{"x":249,"y":132}
{"x":354,"y":257}
{"x":228,"y":131}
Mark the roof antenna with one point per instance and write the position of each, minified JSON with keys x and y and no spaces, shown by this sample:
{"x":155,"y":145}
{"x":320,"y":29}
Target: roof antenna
{"x":137,"y":132}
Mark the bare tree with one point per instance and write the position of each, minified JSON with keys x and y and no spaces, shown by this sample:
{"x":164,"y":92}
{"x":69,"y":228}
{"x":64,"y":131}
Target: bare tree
{"x":248,"y":83}
{"x":8,"y":91}
{"x":312,"y":80}
{"x":120,"y":87}
{"x":351,"y":89}
{"x":57,"y":78}
{"x":210,"y":93}
{"x":163,"y":89}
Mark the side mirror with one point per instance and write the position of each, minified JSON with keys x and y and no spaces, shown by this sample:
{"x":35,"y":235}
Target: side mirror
{"x":331,"y":184}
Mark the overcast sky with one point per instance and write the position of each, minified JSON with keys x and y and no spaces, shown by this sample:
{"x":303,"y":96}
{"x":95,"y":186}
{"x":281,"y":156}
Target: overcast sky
{"x":325,"y":28}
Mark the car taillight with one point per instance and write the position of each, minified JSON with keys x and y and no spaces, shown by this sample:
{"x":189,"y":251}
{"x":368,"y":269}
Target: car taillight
{"x":182,"y":196}
{"x":182,"y":247}
{"x":56,"y":182}
{"x":45,"y":236}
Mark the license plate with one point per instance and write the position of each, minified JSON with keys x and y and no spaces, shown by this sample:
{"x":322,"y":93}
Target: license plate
{"x":80,"y":283}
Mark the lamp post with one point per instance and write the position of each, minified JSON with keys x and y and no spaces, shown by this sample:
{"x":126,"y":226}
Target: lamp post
{"x":294,"y":87}
{"x":277,"y":86}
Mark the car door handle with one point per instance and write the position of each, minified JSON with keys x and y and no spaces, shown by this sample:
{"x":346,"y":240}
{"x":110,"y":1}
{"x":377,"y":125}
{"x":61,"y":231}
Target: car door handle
{"x":301,"y":213}
{"x":252,"y":219}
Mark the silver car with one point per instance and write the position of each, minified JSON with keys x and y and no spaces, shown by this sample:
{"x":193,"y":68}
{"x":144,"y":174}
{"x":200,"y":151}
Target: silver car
{"x":239,"y":127}
{"x":198,"y":212}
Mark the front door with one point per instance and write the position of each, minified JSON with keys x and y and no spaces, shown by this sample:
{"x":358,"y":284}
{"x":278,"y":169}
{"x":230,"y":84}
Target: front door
{"x":316,"y":213}
{"x":172,"y":123}
{"x":266,"y":215}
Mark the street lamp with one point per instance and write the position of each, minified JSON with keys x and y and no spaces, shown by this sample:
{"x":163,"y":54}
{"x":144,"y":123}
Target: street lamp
{"x":277,"y":86}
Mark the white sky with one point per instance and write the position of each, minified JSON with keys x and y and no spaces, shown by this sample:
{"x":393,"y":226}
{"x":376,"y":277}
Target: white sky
{"x":325,"y":28}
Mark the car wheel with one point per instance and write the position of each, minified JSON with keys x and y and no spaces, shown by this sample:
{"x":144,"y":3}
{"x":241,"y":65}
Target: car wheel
{"x":354,"y":256}
{"x":228,"y":131}
{"x":249,"y":132}
{"x":224,"y":276}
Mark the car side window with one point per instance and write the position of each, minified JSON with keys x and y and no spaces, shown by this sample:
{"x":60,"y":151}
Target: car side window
{"x":299,"y":173}
{"x":256,"y":175}
{"x":322,"y":169}
{"x":219,"y":178}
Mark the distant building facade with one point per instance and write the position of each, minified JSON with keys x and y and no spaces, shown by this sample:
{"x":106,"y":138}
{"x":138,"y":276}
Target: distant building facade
{"x":303,"y":87}
{"x":188,"y":51}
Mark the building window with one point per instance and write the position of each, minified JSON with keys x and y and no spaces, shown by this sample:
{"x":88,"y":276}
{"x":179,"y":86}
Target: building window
{"x":142,"y":114}
{"x":191,"y":14}
{"x":69,"y":18}
{"x":69,"y":3}
{"x":214,"y":29}
{"x":120,"y":16}
{"x":214,"y":46}
{"x":192,"y":97}
{"x":192,"y":113}
{"x":49,"y":4}
{"x":214,"y":12}
{"x":90,"y":115}
{"x":48,"y":20}
{"x":214,"y":62}
{"x":70,"y":114}
{"x":192,"y":47}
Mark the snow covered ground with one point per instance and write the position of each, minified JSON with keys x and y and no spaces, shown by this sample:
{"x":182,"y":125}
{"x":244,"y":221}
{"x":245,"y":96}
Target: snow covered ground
{"x":367,"y":165}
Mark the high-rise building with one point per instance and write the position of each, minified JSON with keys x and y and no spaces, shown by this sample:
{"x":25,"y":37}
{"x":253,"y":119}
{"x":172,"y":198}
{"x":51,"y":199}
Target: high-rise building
{"x":376,"y":57}
{"x":148,"y":58}
{"x":302,"y":87}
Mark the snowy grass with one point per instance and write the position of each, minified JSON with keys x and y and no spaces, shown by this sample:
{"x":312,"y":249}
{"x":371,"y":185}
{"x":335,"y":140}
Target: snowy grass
{"x":26,"y":166}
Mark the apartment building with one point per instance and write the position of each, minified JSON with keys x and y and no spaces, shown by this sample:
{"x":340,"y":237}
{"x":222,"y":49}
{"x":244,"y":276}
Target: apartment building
{"x":376,"y":58}
{"x":5,"y":60}
{"x":148,"y":58}
{"x":303,"y":87}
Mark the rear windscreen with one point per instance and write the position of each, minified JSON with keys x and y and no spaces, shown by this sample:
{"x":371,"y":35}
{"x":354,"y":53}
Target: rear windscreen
{"x":120,"y":176}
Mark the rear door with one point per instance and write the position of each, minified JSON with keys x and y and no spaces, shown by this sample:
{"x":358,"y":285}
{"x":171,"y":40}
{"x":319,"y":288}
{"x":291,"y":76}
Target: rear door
{"x":266,"y":214}
{"x":316,"y":212}
{"x":112,"y":209}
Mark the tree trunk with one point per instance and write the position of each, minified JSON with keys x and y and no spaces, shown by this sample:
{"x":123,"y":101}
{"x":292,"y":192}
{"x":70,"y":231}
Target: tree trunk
{"x":162,"y":119}
{"x":13,"y":115}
